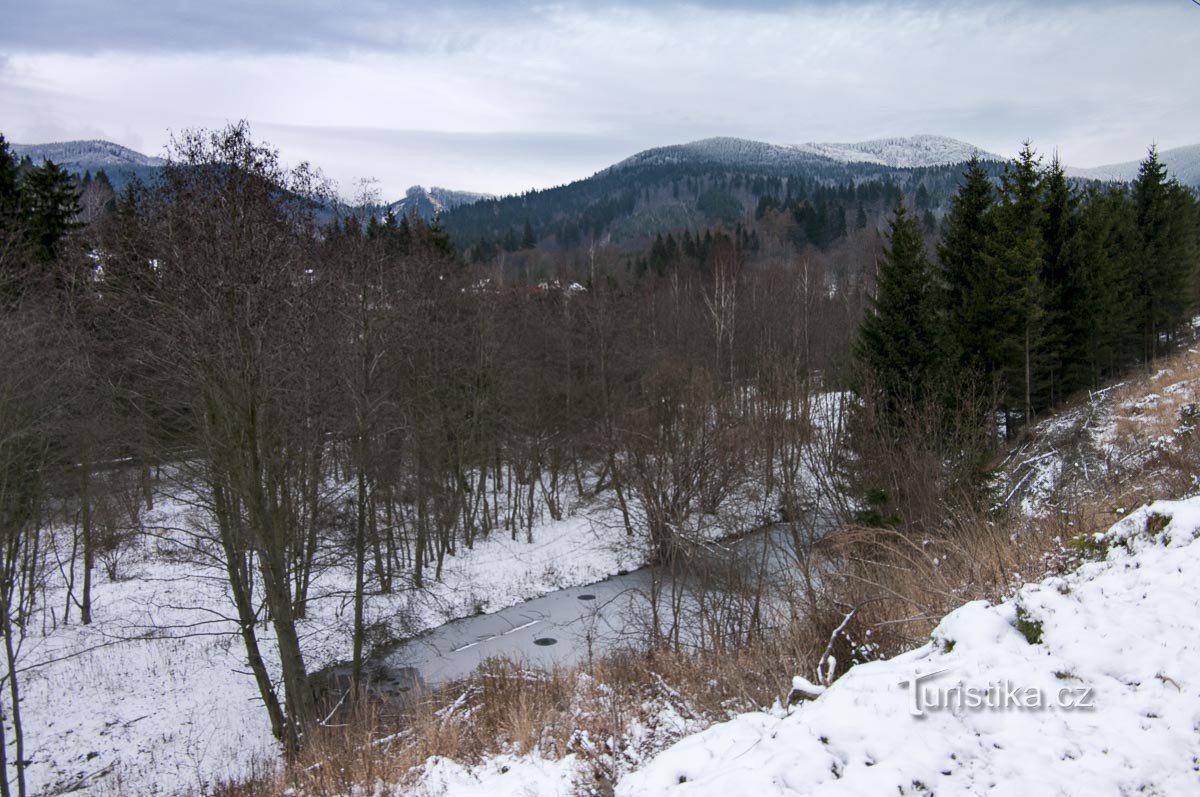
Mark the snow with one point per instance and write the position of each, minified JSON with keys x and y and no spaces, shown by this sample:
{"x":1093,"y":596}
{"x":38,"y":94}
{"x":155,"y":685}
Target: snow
{"x":1121,"y":634}
{"x":903,"y":153}
{"x":155,"y":697}
{"x":502,"y":776}
{"x":93,"y":154}
{"x":428,"y":203}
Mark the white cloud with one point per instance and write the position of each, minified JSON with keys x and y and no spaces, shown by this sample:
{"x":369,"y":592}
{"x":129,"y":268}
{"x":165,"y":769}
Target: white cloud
{"x":555,"y":94}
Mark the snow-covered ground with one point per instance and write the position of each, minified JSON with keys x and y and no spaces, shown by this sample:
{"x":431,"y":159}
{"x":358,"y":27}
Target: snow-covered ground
{"x":154,"y":697}
{"x":1085,"y":684}
{"x":1131,"y":427}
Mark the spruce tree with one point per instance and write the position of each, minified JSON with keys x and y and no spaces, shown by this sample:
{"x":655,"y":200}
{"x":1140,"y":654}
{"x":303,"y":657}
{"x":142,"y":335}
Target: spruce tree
{"x":1059,"y":227}
{"x":1166,"y":224}
{"x":49,"y":203}
{"x":1099,"y":258}
{"x":1012,"y":284}
{"x":965,"y":233}
{"x":902,"y":341}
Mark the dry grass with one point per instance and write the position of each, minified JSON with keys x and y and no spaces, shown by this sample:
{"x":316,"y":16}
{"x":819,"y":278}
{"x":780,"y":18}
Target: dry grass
{"x":1149,"y":408}
{"x":611,"y":715}
{"x":901,"y":585}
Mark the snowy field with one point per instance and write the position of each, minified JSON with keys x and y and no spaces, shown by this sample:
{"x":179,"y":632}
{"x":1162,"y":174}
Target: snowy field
{"x":154,"y":697}
{"x":1088,"y":684}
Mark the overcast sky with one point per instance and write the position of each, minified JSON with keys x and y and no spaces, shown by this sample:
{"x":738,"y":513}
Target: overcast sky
{"x":499,"y":97}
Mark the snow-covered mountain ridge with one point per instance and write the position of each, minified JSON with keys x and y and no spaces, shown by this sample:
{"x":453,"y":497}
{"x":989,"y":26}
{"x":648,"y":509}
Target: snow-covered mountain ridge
{"x":900,"y":153}
{"x":89,"y":154}
{"x":908,"y":152}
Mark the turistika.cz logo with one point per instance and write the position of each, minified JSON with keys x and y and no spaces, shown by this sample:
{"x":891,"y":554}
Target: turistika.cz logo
{"x":1002,"y":695}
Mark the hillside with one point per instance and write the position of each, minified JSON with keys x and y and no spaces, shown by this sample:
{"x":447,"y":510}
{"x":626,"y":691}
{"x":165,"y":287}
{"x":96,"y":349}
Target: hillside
{"x":1084,"y":685}
{"x":1183,"y":163}
{"x":121,"y":164}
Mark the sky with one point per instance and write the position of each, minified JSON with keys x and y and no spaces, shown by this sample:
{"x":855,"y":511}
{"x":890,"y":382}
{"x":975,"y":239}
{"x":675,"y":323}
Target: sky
{"x":501,"y":97}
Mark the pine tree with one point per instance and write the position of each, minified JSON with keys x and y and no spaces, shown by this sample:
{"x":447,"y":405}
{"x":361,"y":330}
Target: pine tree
{"x":12,"y":227}
{"x":9,"y":178}
{"x":49,"y":203}
{"x":1059,"y":225}
{"x":1013,"y":261}
{"x":1100,"y":278}
{"x":965,"y":233}
{"x":902,"y":341}
{"x":1166,"y":224}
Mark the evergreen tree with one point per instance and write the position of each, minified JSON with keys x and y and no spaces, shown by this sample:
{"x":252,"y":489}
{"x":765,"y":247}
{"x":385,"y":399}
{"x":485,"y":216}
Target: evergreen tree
{"x":1099,"y":258}
{"x":965,"y":233}
{"x":902,"y":341}
{"x":528,"y":239}
{"x":12,"y":228}
{"x":9,"y":173}
{"x":1166,"y":225}
{"x":1013,"y":262}
{"x":49,"y":203}
{"x":1059,"y":227}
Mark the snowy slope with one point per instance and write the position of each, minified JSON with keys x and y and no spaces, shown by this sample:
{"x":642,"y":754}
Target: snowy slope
{"x":1121,"y":635}
{"x":1086,"y":685}
{"x":154,"y":697}
{"x":903,"y":153}
{"x":431,"y":202}
{"x":1183,"y":163}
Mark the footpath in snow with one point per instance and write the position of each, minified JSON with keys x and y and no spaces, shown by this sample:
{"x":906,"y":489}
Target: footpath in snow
{"x":1088,"y":684}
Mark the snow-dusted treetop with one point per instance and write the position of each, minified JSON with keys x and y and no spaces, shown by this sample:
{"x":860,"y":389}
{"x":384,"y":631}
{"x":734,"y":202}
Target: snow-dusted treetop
{"x":903,"y":153}
{"x":910,"y":152}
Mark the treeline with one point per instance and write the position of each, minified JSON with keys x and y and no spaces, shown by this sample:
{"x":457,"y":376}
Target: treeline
{"x":1039,"y":289}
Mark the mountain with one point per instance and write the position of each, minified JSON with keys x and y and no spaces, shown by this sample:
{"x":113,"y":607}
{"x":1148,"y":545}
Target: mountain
{"x":731,"y":152}
{"x":121,"y":164}
{"x":721,"y":182}
{"x":897,"y":153}
{"x":903,"y":153}
{"x":86,"y":154}
{"x":1183,"y":163}
{"x":433,"y":202}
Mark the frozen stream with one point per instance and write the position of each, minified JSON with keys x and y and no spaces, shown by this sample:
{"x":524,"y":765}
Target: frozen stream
{"x":564,"y":627}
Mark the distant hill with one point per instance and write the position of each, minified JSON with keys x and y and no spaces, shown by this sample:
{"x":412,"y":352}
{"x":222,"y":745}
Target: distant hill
{"x":1183,"y":163}
{"x":431,"y":202}
{"x":121,"y":164}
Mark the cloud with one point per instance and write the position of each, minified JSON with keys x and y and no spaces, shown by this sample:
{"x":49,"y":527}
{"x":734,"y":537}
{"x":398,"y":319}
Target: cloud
{"x":467,"y":96}
{"x":320,"y":26}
